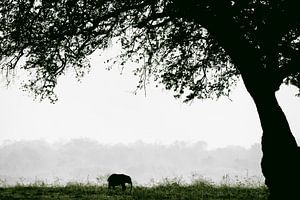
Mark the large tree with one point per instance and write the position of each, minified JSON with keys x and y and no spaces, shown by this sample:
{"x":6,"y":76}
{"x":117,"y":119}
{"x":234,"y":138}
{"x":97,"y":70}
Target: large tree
{"x":197,"y":48}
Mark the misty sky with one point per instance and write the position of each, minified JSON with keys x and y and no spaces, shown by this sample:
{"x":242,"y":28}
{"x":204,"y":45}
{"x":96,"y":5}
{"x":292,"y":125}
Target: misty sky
{"x":103,"y":108}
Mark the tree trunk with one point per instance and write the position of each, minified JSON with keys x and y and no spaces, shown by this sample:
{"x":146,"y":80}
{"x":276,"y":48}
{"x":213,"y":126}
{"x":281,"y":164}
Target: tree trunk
{"x":281,"y":157}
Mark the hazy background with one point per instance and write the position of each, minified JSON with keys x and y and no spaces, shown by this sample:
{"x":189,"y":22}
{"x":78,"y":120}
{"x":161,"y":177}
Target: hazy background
{"x":99,"y":126}
{"x":85,"y":160}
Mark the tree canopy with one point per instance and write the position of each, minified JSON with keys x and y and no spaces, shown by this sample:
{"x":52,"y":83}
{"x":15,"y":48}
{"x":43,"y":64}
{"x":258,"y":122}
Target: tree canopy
{"x":198,"y":48}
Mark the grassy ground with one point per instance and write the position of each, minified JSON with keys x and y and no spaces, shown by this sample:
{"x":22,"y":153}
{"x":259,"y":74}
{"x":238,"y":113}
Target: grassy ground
{"x":170,"y":191}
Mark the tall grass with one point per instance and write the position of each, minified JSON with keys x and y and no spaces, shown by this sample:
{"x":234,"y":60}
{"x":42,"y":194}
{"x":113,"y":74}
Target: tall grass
{"x":171,"y":189}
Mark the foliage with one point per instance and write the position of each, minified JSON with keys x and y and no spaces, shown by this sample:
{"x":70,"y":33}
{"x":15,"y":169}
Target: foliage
{"x":196,"y":48}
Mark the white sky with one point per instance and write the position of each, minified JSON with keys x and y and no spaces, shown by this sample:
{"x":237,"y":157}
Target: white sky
{"x":102,"y":107}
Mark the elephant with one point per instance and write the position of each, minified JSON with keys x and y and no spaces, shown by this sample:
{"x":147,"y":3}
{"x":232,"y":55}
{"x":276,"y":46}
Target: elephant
{"x":119,"y":179}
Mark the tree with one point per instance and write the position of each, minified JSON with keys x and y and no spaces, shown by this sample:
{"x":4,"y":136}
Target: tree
{"x":197,"y":48}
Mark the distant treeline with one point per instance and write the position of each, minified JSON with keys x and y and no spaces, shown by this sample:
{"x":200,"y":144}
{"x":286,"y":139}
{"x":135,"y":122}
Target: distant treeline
{"x":85,"y":160}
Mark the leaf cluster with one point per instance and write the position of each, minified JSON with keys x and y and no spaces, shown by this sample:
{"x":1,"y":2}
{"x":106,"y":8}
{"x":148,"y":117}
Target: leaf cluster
{"x":194,"y":48}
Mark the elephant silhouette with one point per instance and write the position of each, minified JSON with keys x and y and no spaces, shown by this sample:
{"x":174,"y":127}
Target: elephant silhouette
{"x":119,"y":179}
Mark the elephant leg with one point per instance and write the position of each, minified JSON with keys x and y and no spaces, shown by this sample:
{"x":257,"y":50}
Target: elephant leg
{"x":123,"y":186}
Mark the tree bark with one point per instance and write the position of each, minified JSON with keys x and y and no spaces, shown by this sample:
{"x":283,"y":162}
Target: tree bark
{"x":281,"y":157}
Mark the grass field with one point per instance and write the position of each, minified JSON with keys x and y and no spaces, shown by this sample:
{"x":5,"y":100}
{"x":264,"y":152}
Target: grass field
{"x":171,"y":191}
